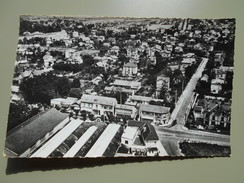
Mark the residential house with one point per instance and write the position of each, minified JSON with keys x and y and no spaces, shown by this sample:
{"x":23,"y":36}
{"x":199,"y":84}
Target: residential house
{"x":125,"y":110}
{"x":63,"y":103}
{"x":134,"y":85}
{"x":56,"y":102}
{"x":129,"y":69}
{"x":48,"y":60}
{"x":212,"y":112}
{"x":98,"y":105}
{"x":178,"y":49}
{"x":154,"y":113}
{"x":220,"y":74}
{"x":163,"y":81}
{"x":220,"y":117}
{"x":141,"y":138}
{"x":48,"y":41}
{"x":109,"y":89}
{"x":97,"y":80}
{"x":114,"y":50}
{"x":25,"y":75}
{"x":75,"y":34}
{"x":216,"y":85}
{"x":165,"y":54}
{"x":15,"y":94}
{"x":205,"y":78}
{"x":132,"y":53}
{"x":219,"y":57}
{"x":185,"y":63}
{"x":137,"y":100}
{"x":168,"y":47}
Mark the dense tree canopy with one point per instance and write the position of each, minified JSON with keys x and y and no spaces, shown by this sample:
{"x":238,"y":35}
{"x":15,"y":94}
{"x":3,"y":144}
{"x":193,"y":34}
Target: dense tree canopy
{"x":19,"y":112}
{"x":43,"y":88}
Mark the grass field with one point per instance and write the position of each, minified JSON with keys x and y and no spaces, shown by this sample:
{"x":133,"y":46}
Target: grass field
{"x":203,"y":150}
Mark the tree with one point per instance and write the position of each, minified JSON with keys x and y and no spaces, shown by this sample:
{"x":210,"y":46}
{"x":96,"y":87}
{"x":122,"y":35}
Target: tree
{"x":121,"y":97}
{"x":43,"y":88}
{"x":76,"y":83}
{"x":63,"y":86}
{"x":88,"y":60}
{"x":75,"y":92}
{"x":20,"y":112}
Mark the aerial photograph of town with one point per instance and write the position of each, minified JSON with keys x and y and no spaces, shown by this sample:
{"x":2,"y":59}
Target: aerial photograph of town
{"x":121,"y":87}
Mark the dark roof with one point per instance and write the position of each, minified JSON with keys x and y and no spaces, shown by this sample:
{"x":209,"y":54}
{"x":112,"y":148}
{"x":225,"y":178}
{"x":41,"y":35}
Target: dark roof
{"x":130,"y":64}
{"x":29,"y":132}
{"x":134,"y":123}
{"x":154,"y":108}
{"x":150,"y":133}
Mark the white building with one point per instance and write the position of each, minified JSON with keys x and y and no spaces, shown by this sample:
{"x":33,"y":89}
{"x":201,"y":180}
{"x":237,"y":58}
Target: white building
{"x":98,"y":105}
{"x":154,"y":113}
{"x":162,"y":81}
{"x":141,"y":138}
{"x":48,"y":60}
{"x":125,"y":110}
{"x":129,"y":69}
{"x":216,"y":85}
{"x":135,"y":85}
{"x":137,"y":99}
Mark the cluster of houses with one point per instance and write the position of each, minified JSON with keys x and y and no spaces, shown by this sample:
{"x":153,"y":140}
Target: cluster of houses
{"x":212,"y":113}
{"x":136,"y":107}
{"x":138,"y":136}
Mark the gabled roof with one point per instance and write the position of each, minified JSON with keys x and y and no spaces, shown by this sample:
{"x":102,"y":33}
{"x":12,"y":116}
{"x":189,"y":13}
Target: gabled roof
{"x":69,"y":101}
{"x":118,"y":82}
{"x":134,"y":123}
{"x":154,"y":108}
{"x":130,"y":132}
{"x":38,"y":72}
{"x":98,"y":100}
{"x":15,"y":89}
{"x":26,"y":73}
{"x":126,"y":107}
{"x":141,"y":98}
{"x":150,"y":133}
{"x":25,"y":135}
{"x":130,"y":64}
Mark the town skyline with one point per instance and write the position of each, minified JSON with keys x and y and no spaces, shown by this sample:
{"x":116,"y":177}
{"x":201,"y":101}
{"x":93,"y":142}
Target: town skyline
{"x":102,"y":87}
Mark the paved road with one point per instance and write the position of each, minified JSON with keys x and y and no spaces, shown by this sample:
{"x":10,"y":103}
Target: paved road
{"x":194,"y":136}
{"x":171,"y":146}
{"x":185,"y":98}
{"x":170,"y":137}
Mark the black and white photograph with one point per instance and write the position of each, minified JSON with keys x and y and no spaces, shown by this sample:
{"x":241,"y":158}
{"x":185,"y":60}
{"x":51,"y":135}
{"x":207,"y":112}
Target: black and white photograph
{"x":92,"y":87}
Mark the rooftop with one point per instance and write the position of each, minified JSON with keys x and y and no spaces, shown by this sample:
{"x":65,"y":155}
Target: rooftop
{"x":29,"y":132}
{"x":130,"y":132}
{"x":154,"y":108}
{"x":15,"y":89}
{"x":122,"y":106}
{"x":150,"y":133}
{"x":69,"y":101}
{"x":130,"y":64}
{"x":98,"y":99}
{"x":126,"y":83}
{"x":141,"y":98}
